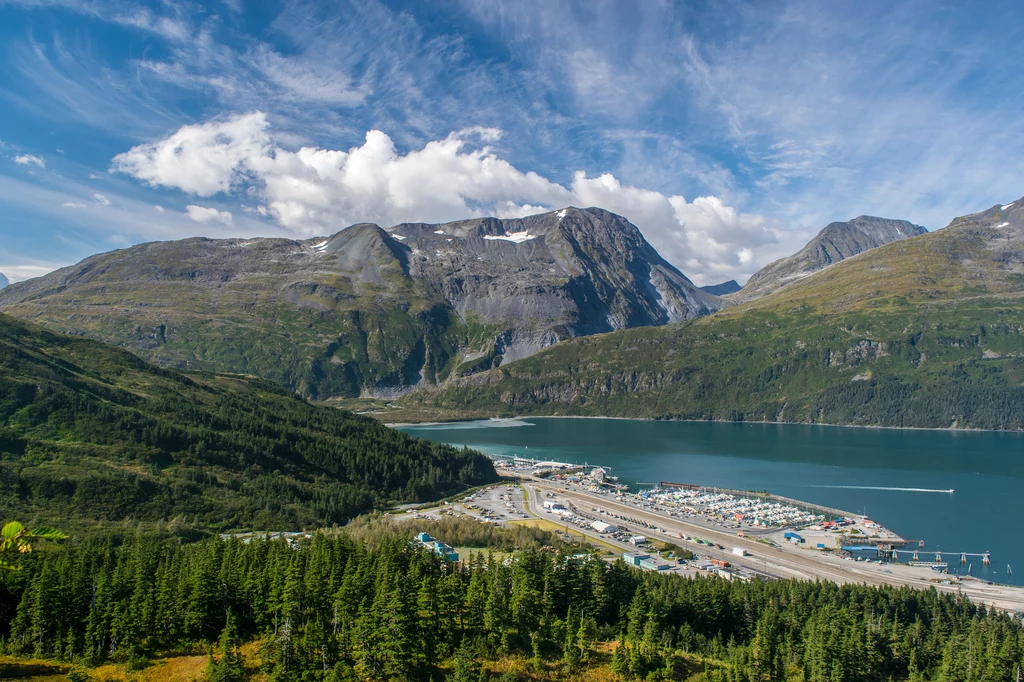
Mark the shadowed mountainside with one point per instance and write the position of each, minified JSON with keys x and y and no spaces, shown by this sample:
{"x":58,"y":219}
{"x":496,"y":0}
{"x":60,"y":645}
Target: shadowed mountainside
{"x":90,"y":434}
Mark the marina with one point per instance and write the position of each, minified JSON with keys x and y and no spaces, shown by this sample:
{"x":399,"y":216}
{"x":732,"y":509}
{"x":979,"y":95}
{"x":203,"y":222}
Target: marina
{"x":746,"y":512}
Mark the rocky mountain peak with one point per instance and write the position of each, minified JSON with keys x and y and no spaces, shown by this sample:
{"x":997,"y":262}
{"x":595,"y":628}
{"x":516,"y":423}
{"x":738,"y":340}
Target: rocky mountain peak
{"x":3,"y":280}
{"x":1000,"y":216}
{"x":835,"y":242}
{"x":730,"y":287}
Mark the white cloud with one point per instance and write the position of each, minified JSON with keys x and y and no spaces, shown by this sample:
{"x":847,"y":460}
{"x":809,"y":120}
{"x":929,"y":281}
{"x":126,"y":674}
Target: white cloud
{"x":315,"y":191}
{"x":72,"y":204}
{"x":204,"y":215}
{"x":158,"y":209}
{"x":100,"y":199}
{"x":30,"y":160}
{"x":707,"y":239}
{"x":200,"y":159}
{"x":17,"y":272}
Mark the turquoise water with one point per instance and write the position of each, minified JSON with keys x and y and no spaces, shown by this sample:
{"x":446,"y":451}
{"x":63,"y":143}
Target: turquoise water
{"x":888,"y":474}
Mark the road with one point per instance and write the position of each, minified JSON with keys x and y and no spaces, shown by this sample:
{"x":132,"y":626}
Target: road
{"x":783,"y":562}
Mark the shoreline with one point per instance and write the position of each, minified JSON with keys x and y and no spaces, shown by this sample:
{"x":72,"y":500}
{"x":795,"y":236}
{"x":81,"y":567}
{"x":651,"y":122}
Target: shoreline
{"x":395,"y":425}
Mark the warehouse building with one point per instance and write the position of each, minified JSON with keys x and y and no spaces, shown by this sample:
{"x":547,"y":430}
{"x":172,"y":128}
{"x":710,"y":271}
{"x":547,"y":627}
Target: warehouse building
{"x":441,"y":549}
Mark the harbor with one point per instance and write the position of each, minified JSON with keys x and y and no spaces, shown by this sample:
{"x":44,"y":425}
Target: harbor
{"x":897,"y":479}
{"x":772,"y":518}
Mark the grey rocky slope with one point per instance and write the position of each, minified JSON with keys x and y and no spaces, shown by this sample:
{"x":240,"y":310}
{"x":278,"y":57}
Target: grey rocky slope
{"x":3,"y":281}
{"x":368,"y":311}
{"x":836,"y":242}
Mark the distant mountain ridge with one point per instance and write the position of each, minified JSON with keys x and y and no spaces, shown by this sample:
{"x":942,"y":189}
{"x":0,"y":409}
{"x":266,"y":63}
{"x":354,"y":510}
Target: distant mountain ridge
{"x":730,"y":287}
{"x":836,"y":241}
{"x":3,"y":280}
{"x":368,"y":311}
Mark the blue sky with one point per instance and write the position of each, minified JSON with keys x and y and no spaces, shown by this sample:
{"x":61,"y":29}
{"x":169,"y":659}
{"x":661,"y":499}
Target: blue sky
{"x":729,"y":132}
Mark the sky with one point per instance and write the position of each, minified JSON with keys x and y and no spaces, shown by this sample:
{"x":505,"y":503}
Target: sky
{"x":728,"y":132}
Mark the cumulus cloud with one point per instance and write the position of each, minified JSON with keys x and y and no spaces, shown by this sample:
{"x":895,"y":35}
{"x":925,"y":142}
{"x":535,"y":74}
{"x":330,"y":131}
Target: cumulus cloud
{"x":200,"y":159}
{"x":705,"y":238}
{"x":73,"y":204}
{"x":315,"y":191}
{"x":204,"y":215}
{"x":100,"y":199}
{"x":30,"y":160}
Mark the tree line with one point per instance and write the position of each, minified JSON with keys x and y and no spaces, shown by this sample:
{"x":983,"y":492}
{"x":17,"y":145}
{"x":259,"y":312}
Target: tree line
{"x":336,"y":608}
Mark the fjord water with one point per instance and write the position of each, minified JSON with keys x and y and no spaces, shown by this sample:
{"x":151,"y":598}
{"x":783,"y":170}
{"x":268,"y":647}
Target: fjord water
{"x":891,"y":475}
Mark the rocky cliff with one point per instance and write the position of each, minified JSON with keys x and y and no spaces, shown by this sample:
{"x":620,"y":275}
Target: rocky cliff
{"x":368,"y":310}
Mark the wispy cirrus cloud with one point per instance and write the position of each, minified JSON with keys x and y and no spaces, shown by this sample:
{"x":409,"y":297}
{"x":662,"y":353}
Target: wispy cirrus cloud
{"x":778,"y":118}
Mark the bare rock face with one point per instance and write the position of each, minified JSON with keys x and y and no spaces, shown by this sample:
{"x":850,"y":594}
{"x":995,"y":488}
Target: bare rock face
{"x":3,"y":280}
{"x":369,"y":310}
{"x":836,"y":242}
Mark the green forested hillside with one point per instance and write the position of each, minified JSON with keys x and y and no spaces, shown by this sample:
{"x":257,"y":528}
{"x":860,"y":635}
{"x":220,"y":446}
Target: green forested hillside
{"x":90,"y":433}
{"x":335,"y":609}
{"x":925,"y":332}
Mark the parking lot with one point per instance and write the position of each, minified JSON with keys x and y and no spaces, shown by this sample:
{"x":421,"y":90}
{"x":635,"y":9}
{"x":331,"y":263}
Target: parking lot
{"x":494,"y":504}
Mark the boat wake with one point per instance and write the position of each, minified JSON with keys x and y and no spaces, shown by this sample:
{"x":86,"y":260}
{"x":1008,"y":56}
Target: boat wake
{"x":948,"y":491}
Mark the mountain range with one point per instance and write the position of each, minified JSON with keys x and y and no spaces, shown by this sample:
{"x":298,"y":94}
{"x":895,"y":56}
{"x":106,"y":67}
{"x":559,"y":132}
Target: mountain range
{"x":3,"y":280}
{"x":924,"y":332}
{"x":573,"y":312}
{"x":368,"y":311}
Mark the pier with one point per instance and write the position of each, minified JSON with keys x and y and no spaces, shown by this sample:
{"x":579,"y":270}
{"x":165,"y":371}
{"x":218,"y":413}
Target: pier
{"x":888,"y":551}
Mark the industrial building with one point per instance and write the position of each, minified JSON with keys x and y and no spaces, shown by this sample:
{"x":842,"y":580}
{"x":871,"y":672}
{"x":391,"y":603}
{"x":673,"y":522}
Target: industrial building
{"x":602,"y":527}
{"x":634,"y":558}
{"x":652,"y":565}
{"x":441,"y":549}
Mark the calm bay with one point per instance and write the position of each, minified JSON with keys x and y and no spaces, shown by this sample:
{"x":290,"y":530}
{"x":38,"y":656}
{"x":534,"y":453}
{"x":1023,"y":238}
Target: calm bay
{"x":897,"y":477}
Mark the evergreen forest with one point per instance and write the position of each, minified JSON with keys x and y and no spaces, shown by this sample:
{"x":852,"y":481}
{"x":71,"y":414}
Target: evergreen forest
{"x":334,"y":607}
{"x":92,"y":435}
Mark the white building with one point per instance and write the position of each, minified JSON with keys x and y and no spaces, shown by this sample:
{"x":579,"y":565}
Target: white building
{"x":602,"y":527}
